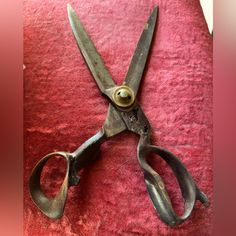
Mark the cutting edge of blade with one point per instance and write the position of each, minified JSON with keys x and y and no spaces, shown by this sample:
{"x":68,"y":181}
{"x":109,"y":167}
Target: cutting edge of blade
{"x":95,"y":63}
{"x":136,"y":69}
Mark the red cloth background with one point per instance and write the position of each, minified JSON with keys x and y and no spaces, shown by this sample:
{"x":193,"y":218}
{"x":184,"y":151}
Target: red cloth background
{"x":63,"y":107}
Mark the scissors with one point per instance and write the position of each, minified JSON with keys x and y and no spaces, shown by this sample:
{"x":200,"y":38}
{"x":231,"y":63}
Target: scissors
{"x":124,"y":113}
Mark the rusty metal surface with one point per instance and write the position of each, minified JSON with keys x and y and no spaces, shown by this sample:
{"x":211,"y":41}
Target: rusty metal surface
{"x":138,"y":62}
{"x":90,"y":53}
{"x":124,"y":113}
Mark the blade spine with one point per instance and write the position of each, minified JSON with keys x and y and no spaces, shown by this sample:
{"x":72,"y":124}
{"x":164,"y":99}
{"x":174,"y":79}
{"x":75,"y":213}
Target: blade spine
{"x":133,"y":65}
{"x":86,"y":58}
{"x":73,"y":19}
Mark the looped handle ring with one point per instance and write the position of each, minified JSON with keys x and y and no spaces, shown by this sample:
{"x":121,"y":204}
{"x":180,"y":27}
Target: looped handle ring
{"x":51,"y":207}
{"x":79,"y":159}
{"x":157,"y":190}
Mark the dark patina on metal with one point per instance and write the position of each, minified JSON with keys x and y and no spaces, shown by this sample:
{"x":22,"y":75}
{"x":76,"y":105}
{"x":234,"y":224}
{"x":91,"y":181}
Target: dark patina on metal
{"x":124,"y":113}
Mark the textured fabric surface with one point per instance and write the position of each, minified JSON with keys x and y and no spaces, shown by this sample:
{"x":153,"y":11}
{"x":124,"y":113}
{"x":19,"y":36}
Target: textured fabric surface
{"x":63,"y":107}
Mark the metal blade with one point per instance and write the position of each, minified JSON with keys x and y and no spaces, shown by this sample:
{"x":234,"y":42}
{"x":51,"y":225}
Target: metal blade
{"x":139,"y":59}
{"x":114,"y":123}
{"x":90,"y":54}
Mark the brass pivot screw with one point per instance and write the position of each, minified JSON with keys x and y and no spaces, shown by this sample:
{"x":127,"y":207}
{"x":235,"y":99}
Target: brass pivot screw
{"x":123,"y":96}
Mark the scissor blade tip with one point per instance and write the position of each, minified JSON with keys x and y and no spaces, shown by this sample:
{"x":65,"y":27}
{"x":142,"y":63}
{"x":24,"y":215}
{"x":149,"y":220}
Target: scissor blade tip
{"x":156,"y":9}
{"x":69,"y":8}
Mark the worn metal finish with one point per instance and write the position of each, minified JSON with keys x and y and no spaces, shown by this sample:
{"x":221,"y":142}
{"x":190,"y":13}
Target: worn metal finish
{"x":123,"y":96}
{"x":138,"y":62}
{"x":90,"y":54}
{"x":124,"y":113}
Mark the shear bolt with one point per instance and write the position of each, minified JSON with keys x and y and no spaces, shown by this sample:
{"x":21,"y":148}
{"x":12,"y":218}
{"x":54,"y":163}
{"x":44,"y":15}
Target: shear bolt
{"x":123,"y":96}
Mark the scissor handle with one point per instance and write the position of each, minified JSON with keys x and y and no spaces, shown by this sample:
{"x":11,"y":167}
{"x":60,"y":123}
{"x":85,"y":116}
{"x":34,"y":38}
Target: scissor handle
{"x":51,"y":207}
{"x":157,"y":190}
{"x":85,"y":154}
